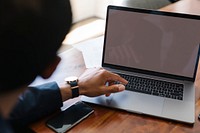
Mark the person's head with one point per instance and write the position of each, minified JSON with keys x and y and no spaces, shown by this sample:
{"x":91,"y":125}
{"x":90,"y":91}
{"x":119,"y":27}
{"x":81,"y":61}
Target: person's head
{"x":31,"y":32}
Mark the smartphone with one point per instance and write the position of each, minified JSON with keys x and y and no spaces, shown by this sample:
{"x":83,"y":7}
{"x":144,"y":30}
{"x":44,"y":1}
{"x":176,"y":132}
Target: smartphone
{"x":68,"y":118}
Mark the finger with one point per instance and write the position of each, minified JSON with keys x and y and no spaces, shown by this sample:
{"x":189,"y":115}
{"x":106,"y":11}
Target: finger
{"x":110,"y":82}
{"x":114,"y":88}
{"x":107,"y":95}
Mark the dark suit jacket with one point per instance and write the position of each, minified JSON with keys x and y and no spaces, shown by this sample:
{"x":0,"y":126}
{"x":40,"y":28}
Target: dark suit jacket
{"x":35,"y":103}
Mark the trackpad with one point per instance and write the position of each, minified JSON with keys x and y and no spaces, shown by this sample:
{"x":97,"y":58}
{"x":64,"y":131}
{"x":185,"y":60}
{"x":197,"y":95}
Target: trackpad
{"x":143,"y":103}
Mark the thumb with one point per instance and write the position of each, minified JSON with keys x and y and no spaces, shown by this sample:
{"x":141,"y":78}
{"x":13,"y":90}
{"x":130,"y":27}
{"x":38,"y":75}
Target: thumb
{"x":114,"y":88}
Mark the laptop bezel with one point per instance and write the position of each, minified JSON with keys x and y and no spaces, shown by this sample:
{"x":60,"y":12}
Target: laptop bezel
{"x":155,"y":12}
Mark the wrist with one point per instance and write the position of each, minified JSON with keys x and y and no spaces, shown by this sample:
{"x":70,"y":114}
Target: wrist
{"x":73,"y":83}
{"x":81,"y":88}
{"x":65,"y":92}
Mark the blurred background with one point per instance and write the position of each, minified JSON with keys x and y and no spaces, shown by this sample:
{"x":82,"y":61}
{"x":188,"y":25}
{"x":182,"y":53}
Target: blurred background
{"x":89,"y":17}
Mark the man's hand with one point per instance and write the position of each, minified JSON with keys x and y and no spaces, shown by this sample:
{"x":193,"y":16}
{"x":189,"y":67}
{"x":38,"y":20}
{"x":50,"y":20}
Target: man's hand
{"x":98,"y":81}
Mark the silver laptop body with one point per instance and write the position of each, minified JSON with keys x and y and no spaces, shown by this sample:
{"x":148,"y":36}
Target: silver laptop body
{"x":156,"y":45}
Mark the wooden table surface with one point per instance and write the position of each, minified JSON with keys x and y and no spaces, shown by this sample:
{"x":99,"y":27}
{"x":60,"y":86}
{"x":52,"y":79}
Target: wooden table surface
{"x":106,"y":120}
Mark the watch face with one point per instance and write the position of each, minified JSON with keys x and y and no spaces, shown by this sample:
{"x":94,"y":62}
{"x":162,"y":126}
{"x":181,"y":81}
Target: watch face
{"x":71,"y":78}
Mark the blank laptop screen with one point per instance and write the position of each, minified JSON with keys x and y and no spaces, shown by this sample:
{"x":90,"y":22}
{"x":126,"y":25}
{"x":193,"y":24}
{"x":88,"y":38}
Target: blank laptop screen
{"x":160,"y":43}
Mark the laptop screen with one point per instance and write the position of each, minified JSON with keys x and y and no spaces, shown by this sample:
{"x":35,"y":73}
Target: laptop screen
{"x":152,"y":40}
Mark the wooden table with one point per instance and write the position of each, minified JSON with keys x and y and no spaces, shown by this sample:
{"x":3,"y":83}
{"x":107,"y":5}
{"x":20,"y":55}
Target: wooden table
{"x":106,"y":120}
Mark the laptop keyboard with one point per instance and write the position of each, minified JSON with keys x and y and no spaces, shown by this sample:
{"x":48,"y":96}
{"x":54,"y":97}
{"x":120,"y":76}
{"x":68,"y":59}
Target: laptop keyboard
{"x":154,"y":87}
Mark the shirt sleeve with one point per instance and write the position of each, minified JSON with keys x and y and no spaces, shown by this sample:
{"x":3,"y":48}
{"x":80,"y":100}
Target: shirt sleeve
{"x":35,"y":103}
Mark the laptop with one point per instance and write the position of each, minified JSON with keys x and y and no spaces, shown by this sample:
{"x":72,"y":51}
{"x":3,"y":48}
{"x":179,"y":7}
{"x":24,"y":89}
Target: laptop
{"x":158,"y":53}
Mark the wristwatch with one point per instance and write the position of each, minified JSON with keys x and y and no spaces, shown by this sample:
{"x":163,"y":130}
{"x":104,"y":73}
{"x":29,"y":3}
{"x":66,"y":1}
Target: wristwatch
{"x":73,"y":82}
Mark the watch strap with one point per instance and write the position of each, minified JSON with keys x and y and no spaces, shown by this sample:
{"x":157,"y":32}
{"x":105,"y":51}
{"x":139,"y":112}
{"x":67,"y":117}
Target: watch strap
{"x":74,"y":88}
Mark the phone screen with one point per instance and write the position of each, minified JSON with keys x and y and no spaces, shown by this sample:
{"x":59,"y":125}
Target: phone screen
{"x":69,"y":117}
